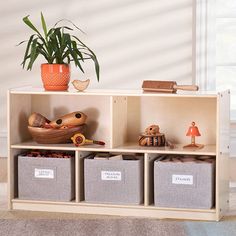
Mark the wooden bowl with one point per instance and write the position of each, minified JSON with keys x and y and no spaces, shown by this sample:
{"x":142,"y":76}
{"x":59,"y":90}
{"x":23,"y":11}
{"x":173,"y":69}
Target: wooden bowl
{"x":54,"y":136}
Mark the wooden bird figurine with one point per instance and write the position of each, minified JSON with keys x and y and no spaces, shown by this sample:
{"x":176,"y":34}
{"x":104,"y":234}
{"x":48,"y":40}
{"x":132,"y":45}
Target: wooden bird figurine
{"x":80,"y":85}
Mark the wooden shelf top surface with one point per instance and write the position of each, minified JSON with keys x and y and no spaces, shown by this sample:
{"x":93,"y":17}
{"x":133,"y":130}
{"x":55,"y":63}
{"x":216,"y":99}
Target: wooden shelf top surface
{"x":128,"y":147}
{"x":108,"y":92}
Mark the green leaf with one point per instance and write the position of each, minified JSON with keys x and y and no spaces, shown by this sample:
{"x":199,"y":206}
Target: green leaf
{"x":97,"y":67}
{"x":70,"y":23}
{"x":29,"y":23}
{"x":68,"y":60}
{"x":27,"y":50}
{"x":42,"y":51}
{"x":76,"y":50}
{"x":26,"y":58}
{"x":21,"y":42}
{"x":44,"y":25}
{"x":33,"y":54}
{"x":93,"y":57}
{"x":50,"y":32}
{"x":74,"y":56}
{"x":66,"y":54}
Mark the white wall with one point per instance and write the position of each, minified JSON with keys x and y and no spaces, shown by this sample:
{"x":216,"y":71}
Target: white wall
{"x":133,"y":39}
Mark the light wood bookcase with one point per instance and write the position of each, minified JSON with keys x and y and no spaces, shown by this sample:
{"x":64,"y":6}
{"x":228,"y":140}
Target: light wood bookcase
{"x":118,"y":117}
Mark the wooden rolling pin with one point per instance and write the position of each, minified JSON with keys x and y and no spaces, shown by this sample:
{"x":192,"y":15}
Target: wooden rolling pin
{"x":166,"y":86}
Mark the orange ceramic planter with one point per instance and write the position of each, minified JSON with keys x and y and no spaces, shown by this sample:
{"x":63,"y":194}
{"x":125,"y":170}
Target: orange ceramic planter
{"x":55,"y":77}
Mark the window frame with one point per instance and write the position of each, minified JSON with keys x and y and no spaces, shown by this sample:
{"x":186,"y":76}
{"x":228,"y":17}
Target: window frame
{"x":204,"y":66}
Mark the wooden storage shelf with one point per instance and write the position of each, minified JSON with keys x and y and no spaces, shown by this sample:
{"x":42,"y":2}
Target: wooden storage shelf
{"x":83,"y":203}
{"x":103,"y":209}
{"x":134,"y":147}
{"x":67,"y":147}
{"x":118,"y":117}
{"x":43,"y":202}
{"x":128,"y":147}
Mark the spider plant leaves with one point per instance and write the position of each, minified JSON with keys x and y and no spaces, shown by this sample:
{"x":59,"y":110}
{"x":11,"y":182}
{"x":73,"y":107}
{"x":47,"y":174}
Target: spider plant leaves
{"x":29,"y":23}
{"x":65,"y":20}
{"x":97,"y":67}
{"x":21,"y":42}
{"x":74,"y":55}
{"x":56,"y":45}
{"x":27,"y":50}
{"x":42,"y":51}
{"x":76,"y":50}
{"x":44,"y":26}
{"x":33,"y":54}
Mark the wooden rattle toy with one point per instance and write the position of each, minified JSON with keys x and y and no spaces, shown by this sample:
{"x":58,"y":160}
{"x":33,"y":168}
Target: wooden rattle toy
{"x":79,"y":140}
{"x":72,"y":119}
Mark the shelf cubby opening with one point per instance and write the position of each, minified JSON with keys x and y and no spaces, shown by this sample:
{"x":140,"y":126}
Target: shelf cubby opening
{"x":97,"y":109}
{"x":43,"y":175}
{"x":180,"y":177}
{"x":173,"y":115}
{"x":114,"y":178}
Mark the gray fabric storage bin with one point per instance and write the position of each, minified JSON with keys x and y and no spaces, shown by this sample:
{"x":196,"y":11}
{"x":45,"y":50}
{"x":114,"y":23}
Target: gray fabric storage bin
{"x":184,"y":185}
{"x":42,"y":178}
{"x":113,"y":181}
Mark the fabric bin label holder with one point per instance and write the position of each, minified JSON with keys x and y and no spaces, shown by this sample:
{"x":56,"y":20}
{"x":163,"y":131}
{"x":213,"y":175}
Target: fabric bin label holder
{"x":44,"y":173}
{"x":111,"y":174}
{"x":183,"y":179}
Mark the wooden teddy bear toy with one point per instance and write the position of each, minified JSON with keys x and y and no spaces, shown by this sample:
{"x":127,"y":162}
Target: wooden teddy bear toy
{"x":152,"y":130}
{"x":152,"y":137}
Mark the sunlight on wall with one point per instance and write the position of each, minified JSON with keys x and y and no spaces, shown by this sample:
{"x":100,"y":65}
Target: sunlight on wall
{"x":134,"y":40}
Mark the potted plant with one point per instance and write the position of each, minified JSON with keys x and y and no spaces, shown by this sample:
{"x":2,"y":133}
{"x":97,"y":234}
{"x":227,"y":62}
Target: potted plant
{"x":59,"y":48}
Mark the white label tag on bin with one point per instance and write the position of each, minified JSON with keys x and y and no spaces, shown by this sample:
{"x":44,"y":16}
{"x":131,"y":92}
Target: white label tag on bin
{"x":111,"y":175}
{"x":182,"y":179}
{"x":44,"y":173}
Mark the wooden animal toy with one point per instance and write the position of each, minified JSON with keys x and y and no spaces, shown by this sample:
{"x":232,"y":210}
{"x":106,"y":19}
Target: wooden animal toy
{"x":72,"y":119}
{"x":152,"y":137}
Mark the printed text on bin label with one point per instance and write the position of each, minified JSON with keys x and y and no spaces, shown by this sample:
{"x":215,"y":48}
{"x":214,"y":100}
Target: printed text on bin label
{"x":44,"y":173}
{"x":182,"y":179}
{"x":111,"y":175}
